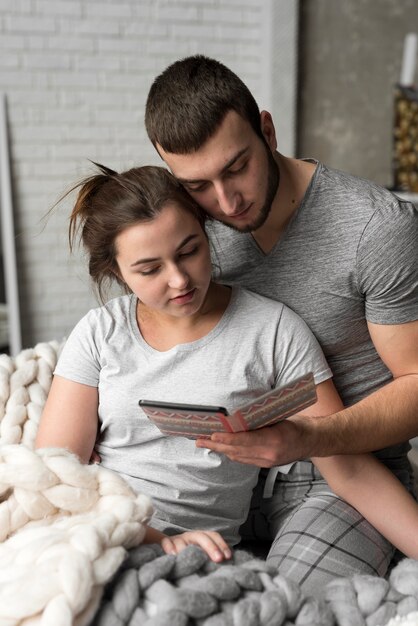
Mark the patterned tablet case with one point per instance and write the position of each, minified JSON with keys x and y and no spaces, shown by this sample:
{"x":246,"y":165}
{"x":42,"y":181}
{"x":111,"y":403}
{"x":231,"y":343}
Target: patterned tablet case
{"x":266,"y":410}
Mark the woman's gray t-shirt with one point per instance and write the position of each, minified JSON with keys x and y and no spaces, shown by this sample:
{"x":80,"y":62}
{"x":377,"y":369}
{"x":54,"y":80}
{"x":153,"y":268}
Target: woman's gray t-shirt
{"x":257,"y":345}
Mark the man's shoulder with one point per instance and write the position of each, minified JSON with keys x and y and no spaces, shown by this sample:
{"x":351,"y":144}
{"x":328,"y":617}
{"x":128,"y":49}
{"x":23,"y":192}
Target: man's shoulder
{"x":231,"y":251}
{"x":351,"y":188}
{"x":215,"y":227}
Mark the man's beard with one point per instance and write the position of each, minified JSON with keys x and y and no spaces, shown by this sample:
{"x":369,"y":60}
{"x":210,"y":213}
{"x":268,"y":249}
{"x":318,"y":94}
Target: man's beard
{"x":273,"y":179}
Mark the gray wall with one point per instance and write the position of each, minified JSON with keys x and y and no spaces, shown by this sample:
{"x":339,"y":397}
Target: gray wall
{"x":350,"y":59}
{"x":76,"y":75}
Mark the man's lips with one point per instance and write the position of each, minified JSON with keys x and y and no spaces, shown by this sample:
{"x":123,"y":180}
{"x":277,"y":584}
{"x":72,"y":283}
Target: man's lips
{"x":241,"y":214}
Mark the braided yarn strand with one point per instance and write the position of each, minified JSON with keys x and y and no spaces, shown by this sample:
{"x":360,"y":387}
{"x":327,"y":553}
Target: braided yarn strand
{"x":66,"y":527}
{"x":24,"y":385}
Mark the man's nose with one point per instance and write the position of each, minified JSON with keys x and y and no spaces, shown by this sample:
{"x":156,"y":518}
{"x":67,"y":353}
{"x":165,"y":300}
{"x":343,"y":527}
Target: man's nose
{"x":229,"y":200}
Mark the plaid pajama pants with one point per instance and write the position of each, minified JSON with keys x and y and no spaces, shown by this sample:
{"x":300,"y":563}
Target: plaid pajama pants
{"x":316,"y":535}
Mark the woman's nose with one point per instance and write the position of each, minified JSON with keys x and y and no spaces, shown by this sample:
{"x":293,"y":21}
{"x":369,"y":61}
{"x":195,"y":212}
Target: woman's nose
{"x":178,"y":278}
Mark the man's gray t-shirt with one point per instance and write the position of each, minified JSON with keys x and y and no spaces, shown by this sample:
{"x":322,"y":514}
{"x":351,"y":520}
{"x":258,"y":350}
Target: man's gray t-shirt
{"x":349,"y":255}
{"x":258,"y":344}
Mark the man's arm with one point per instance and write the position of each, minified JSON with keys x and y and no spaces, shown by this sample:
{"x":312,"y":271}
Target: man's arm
{"x":389,"y":415}
{"x":386,"y":417}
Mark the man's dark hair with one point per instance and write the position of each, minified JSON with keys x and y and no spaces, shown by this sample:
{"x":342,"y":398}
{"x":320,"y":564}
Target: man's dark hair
{"x":188,"y":101}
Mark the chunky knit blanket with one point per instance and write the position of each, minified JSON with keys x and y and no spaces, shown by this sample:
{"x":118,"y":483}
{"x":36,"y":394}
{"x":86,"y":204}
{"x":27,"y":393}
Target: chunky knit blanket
{"x":65,"y":528}
{"x":71,"y":553}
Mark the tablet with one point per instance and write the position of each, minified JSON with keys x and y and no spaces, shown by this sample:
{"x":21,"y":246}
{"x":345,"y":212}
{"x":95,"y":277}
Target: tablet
{"x":200,"y":421}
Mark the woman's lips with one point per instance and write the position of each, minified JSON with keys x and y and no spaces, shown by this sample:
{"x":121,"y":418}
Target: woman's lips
{"x":183,"y":299}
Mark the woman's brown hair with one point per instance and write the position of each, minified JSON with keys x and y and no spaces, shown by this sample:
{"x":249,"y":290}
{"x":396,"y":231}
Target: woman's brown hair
{"x":109,"y":202}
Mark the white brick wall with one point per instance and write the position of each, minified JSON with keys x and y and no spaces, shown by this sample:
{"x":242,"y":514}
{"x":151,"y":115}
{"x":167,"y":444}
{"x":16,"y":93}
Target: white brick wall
{"x":76,"y":74}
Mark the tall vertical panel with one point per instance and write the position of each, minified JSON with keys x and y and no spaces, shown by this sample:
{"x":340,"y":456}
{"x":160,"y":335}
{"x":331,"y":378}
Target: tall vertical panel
{"x":279,"y":69}
{"x":8,"y":237}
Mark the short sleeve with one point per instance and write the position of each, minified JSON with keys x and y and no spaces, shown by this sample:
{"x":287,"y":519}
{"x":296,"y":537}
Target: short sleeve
{"x":387,"y":264}
{"x":298,"y":351}
{"x":79,"y":360}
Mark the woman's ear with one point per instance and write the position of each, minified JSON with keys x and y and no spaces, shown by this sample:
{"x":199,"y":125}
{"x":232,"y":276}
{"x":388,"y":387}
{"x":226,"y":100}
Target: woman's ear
{"x":117,"y":274}
{"x":268,"y":130}
{"x":120,"y":280}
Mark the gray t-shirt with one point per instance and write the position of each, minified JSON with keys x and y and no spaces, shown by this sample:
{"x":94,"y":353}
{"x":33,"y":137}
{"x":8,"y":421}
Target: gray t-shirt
{"x":257,"y":345}
{"x":348,"y":255}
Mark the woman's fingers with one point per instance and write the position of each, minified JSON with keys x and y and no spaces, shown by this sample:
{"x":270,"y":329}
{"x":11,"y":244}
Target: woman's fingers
{"x":211,"y":542}
{"x":174,"y":544}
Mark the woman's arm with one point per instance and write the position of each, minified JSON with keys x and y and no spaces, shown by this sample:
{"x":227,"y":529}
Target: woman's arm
{"x":70,"y":418}
{"x":372,"y":489}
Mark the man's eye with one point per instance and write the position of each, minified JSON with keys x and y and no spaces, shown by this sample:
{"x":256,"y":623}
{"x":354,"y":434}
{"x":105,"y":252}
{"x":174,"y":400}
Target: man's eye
{"x":189,"y":252}
{"x":196,"y":188}
{"x":239,"y":169}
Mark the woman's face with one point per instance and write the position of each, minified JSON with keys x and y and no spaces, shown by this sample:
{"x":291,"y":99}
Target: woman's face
{"x":166,"y":262}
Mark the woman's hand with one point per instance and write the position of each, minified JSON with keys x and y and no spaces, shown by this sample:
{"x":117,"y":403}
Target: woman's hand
{"x":211,"y":542}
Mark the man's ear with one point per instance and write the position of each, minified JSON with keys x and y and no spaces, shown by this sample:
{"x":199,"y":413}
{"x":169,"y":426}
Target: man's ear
{"x":268,"y":130}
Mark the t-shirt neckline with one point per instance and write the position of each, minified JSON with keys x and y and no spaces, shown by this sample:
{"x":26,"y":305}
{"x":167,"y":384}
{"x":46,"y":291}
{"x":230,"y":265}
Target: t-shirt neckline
{"x":188,"y":346}
{"x":306,"y":197}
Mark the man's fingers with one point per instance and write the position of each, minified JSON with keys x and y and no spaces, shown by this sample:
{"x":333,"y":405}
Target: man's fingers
{"x":232,"y":452}
{"x":228,"y":447}
{"x":236,"y":439}
{"x":258,"y":456}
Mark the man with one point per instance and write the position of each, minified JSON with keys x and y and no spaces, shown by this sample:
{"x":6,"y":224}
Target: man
{"x":343,"y":253}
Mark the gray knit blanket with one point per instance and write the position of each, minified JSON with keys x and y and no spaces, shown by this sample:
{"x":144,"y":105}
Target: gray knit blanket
{"x":156,"y":589}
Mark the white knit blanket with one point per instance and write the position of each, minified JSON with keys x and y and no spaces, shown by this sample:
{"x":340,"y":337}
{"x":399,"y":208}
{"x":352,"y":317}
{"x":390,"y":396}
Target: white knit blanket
{"x":64,"y":527}
{"x":408,"y":620}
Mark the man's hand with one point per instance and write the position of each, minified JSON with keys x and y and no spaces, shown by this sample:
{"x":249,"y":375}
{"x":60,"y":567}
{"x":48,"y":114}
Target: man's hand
{"x":211,"y":542}
{"x":285,"y":442}
{"x":301,"y":436}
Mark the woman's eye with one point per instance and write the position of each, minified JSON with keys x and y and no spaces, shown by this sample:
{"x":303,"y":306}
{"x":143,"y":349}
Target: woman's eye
{"x":149,"y":272}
